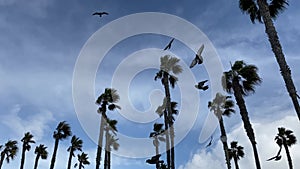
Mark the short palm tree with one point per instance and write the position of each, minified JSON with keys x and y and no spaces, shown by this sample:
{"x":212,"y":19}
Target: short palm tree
{"x":76,"y":144}
{"x":286,"y":139}
{"x":27,"y":139}
{"x":41,"y":152}
{"x":83,"y":159}
{"x":157,"y":136}
{"x":9,"y":151}
{"x":62,"y":132}
{"x":222,"y":105}
{"x":169,"y":67}
{"x":105,"y":101}
{"x":110,"y":141}
{"x":236,"y":152}
{"x":269,"y":10}
{"x":241,"y":81}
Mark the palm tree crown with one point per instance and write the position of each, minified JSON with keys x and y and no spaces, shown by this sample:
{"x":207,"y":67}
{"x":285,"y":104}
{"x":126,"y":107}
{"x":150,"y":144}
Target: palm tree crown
{"x":9,"y":152}
{"x":41,"y":150}
{"x":63,"y":131}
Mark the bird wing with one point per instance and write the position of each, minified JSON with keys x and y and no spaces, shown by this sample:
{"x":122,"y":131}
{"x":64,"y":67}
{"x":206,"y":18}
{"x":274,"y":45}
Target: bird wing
{"x":194,"y":62}
{"x":271,"y":158}
{"x":105,"y":13}
{"x":96,"y":13}
{"x":167,"y":47}
{"x":200,"y":50}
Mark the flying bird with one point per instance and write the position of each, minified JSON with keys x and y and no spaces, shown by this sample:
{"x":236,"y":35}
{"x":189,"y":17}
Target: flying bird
{"x":198,"y":59}
{"x":169,"y":45}
{"x":154,"y":160}
{"x":276,"y":158}
{"x":201,"y":86}
{"x":210,"y":142}
{"x":100,"y":13}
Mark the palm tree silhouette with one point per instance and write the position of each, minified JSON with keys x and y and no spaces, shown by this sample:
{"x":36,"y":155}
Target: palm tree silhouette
{"x":110,"y":141}
{"x":27,"y":139}
{"x":105,"y":100}
{"x":236,"y":152}
{"x":9,"y":152}
{"x":258,"y":9}
{"x":76,"y":144}
{"x":41,"y":152}
{"x":241,"y":81}
{"x":63,"y":131}
{"x":222,"y":105}
{"x":169,"y":65}
{"x":286,"y":139}
{"x":83,"y":159}
{"x":157,"y":133}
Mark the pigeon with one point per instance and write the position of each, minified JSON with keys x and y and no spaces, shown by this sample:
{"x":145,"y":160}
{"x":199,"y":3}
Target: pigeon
{"x":276,"y":158}
{"x":210,"y":142}
{"x":198,"y":59}
{"x":100,"y":13}
{"x":201,"y":86}
{"x":169,"y":45}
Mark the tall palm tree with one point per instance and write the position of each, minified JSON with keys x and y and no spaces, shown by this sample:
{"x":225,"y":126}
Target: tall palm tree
{"x":222,"y":105}
{"x":27,"y":139}
{"x":9,"y":152}
{"x":110,"y":141}
{"x":241,"y":81}
{"x":76,"y":144}
{"x":106,"y":101}
{"x":236,"y":152}
{"x":157,"y":136}
{"x":286,"y":139}
{"x":261,"y":10}
{"x":83,"y":159}
{"x":63,"y":131}
{"x":41,"y":152}
{"x":169,"y":67}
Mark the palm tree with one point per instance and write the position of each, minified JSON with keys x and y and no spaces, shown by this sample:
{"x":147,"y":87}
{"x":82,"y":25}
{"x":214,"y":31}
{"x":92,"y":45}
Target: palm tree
{"x":258,"y":9}
{"x":105,"y":100}
{"x":63,"y":131}
{"x":83,"y":159}
{"x":41,"y":152}
{"x":286,"y":139}
{"x":27,"y":139}
{"x":157,"y":133}
{"x":110,"y":141}
{"x":235,"y":152}
{"x":9,"y":152}
{"x":169,"y":67}
{"x":221,"y":105}
{"x":76,"y":144}
{"x":241,"y":81}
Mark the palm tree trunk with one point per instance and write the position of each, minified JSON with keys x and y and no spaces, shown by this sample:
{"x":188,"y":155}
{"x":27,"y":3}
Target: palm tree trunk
{"x":106,"y":151}
{"x":54,"y":153}
{"x":244,"y":114}
{"x":236,"y":162}
{"x":22,"y":157}
{"x":36,"y":161}
{"x":80,"y":165}
{"x":288,"y":156}
{"x":2,"y":159}
{"x":166,"y":117}
{"x":100,"y":142}
{"x":172,"y":134}
{"x":105,"y":159}
{"x":70,"y":159}
{"x":108,"y":159}
{"x":277,"y":50}
{"x":156,"y":151}
{"x":224,"y":141}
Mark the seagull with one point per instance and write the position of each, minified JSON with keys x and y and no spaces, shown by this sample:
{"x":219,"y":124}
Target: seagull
{"x":169,"y":45}
{"x":201,"y":86}
{"x":276,"y":158}
{"x":100,"y":13}
{"x":210,"y":142}
{"x":198,"y":59}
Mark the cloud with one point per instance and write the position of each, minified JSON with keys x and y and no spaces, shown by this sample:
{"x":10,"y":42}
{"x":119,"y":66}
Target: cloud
{"x":265,"y":133}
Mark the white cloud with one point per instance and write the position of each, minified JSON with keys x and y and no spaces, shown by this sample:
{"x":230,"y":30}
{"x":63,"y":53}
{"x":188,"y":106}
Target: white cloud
{"x":265,"y":133}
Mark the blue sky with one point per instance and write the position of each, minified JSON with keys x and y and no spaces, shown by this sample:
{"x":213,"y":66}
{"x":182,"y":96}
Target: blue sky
{"x":42,"y":39}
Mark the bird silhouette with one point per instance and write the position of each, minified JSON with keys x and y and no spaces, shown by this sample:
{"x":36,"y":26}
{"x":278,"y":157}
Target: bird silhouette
{"x":100,"y":13}
{"x":201,"y":86}
{"x":169,"y":45}
{"x":276,"y":158}
{"x":154,"y":160}
{"x":210,"y":142}
{"x":198,"y":59}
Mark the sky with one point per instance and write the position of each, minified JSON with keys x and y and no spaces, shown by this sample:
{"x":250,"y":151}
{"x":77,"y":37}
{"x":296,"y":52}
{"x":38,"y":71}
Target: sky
{"x":56,"y":59}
